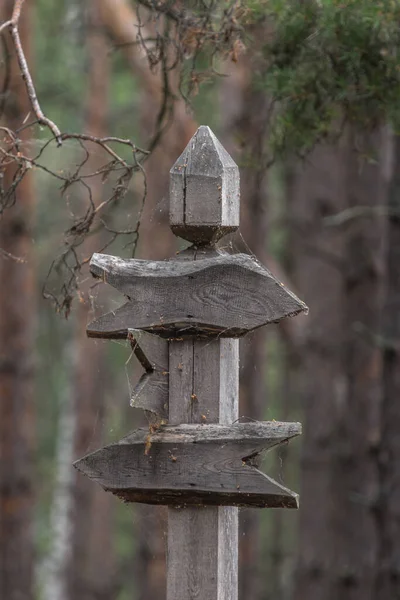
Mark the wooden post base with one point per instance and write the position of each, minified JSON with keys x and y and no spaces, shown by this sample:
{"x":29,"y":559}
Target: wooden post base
{"x":202,"y":558}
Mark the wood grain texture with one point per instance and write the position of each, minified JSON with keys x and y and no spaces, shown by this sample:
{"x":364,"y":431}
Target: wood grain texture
{"x":200,"y":395}
{"x":208,"y":536}
{"x":192,"y":541}
{"x":227,"y":295}
{"x":228,"y":553}
{"x":151,"y":392}
{"x":207,"y":401}
{"x":204,"y":190}
{"x":181,"y":380}
{"x":269,"y":433}
{"x":228,"y":380}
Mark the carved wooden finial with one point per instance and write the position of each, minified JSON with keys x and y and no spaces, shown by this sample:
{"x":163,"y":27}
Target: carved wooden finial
{"x":204,"y":190}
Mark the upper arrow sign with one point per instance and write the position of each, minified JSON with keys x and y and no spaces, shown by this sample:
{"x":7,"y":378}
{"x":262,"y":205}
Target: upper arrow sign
{"x":227,"y":295}
{"x":194,"y":464}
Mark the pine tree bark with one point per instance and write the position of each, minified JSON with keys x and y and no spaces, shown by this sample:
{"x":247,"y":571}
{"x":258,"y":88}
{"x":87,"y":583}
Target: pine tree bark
{"x":151,"y":525}
{"x":339,"y":272}
{"x":354,"y":524}
{"x":17,"y":325}
{"x":91,"y":569}
{"x":120,"y":21}
{"x":318,"y":255}
{"x":388,"y":581}
{"x":244,"y":121}
{"x":54,"y":570}
{"x":253,"y":393}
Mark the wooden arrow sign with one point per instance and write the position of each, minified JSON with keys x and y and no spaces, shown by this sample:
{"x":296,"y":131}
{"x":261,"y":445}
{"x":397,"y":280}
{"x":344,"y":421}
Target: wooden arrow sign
{"x":194,"y":464}
{"x":151,"y":392}
{"x":228,"y":295}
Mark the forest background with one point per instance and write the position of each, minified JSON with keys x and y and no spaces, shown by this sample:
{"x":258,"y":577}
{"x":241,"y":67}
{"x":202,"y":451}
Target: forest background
{"x":306,"y":97}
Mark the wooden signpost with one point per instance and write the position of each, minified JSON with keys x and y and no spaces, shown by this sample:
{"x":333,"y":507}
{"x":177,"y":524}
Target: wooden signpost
{"x":183,"y":318}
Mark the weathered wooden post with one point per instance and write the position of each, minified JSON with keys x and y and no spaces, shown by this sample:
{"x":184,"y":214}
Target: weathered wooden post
{"x":183,"y":318}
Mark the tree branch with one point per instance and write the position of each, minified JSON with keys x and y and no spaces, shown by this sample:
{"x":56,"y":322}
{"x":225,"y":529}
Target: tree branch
{"x":5,"y":25}
{"x":358,"y":212}
{"x":12,"y":25}
{"x":164,"y":8}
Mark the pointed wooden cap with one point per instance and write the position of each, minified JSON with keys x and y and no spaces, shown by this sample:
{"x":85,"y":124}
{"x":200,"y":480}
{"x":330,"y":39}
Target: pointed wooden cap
{"x":204,"y":190}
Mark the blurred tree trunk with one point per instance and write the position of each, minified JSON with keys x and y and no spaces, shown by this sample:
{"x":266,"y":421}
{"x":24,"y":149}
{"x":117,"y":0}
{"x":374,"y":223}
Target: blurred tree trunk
{"x":253,"y":392}
{"x":318,"y":189}
{"x":388,"y":583}
{"x":283,"y":530}
{"x":17,"y":323}
{"x":120,"y":20}
{"x":54,"y":570}
{"x":338,"y":262}
{"x":157,"y":242}
{"x":355,"y":535}
{"x":91,"y":569}
{"x":245,"y":107}
{"x":286,"y":525}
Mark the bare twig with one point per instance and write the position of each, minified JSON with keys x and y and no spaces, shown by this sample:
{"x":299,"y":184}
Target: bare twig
{"x":175,"y":35}
{"x":358,"y":212}
{"x":164,"y":8}
{"x":12,"y":25}
{"x":17,"y":259}
{"x":69,"y":264}
{"x":5,"y":25}
{"x":7,"y":76}
{"x":103,"y":143}
{"x":16,"y":11}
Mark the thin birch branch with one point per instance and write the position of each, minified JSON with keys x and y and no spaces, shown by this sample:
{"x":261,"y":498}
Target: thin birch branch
{"x":5,"y":25}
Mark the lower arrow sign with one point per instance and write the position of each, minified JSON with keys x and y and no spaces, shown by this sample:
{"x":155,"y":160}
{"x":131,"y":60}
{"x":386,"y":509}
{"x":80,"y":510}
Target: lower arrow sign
{"x":194,"y":464}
